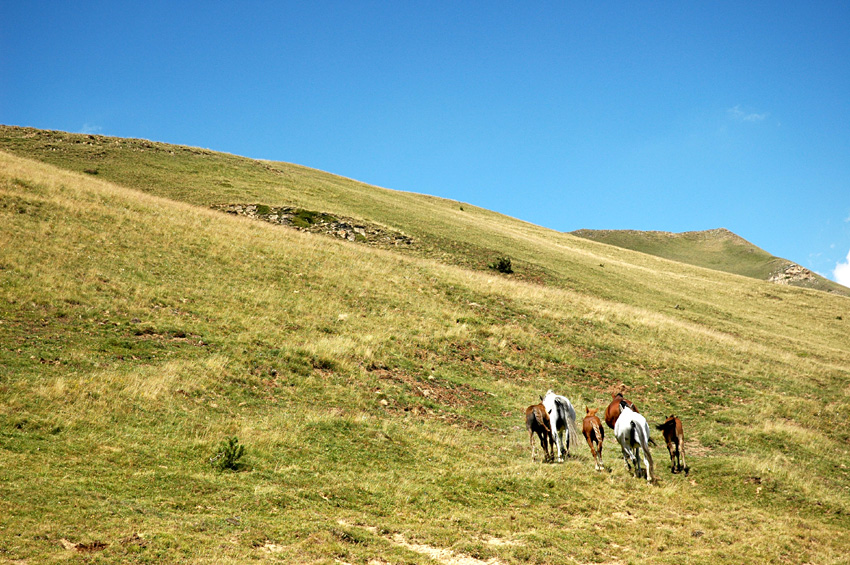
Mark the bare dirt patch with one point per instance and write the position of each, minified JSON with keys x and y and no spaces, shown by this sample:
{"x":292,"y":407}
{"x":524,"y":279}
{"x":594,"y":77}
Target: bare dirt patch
{"x":452,"y":396}
{"x":441,"y":555}
{"x":448,"y":394}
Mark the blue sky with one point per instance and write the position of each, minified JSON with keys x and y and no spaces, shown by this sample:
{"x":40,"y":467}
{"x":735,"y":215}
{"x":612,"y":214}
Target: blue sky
{"x":671,"y":116}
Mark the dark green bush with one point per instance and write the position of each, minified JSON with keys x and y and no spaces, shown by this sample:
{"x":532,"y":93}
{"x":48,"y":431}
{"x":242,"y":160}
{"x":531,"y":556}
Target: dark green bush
{"x":228,"y":454}
{"x":502,"y":264}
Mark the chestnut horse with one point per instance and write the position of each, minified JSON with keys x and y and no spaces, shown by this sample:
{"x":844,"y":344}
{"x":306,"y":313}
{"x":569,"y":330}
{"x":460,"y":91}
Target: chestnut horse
{"x":674,"y":435}
{"x":537,"y":422}
{"x":613,"y":410}
{"x":594,"y":434}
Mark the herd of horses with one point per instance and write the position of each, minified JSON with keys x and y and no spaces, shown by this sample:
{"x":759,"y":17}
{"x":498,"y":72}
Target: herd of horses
{"x":553,"y":420}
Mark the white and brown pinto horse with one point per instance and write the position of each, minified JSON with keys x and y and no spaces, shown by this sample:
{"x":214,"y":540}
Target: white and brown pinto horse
{"x":632,"y":432}
{"x":562,"y":416}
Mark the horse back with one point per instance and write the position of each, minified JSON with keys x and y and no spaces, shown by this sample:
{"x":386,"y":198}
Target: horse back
{"x":592,"y":426}
{"x":613,"y":410}
{"x":672,"y":430}
{"x":612,"y":413}
{"x":535,"y":418}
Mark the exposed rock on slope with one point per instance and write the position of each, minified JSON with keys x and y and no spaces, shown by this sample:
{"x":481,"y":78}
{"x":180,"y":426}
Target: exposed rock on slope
{"x":320,"y":222}
{"x":793,"y":274}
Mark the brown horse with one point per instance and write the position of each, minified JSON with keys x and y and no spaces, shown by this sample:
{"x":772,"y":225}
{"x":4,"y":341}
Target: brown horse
{"x":537,"y":422}
{"x":674,"y":435}
{"x":613,"y":410}
{"x":594,"y":434}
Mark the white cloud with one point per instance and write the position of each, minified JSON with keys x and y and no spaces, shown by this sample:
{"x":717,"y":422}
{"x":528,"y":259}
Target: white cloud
{"x":841,"y":273}
{"x":742,"y":116}
{"x":90,"y":128}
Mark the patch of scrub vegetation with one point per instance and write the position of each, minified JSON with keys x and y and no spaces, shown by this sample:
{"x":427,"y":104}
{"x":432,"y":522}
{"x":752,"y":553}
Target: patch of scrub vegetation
{"x":306,"y":218}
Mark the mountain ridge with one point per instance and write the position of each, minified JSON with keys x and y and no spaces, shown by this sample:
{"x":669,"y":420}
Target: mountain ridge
{"x":718,"y":249}
{"x":171,"y":171}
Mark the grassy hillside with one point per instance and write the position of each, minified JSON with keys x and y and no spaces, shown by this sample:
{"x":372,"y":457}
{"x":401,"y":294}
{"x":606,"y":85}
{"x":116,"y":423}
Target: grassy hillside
{"x":380,"y":393}
{"x":717,"y":249}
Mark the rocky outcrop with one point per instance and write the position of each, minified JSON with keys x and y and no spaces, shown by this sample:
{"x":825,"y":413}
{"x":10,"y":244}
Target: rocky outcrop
{"x":794,"y":274}
{"x":319,"y":222}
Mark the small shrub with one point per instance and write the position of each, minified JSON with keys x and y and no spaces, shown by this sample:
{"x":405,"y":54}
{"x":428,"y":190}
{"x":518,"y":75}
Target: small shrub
{"x":228,"y":454}
{"x":502,"y":264}
{"x":306,"y":218}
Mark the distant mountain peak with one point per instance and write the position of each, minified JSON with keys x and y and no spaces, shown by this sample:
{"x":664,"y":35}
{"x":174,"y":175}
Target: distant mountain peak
{"x":719,"y":249}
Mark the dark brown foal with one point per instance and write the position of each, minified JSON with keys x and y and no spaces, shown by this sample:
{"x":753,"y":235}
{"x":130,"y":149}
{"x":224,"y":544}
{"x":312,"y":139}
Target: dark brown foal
{"x":537,"y":422}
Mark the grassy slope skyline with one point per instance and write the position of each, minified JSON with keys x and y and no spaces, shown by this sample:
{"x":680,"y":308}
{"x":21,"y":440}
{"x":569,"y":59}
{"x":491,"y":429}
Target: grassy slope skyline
{"x":380,"y":393}
{"x":239,"y":177}
{"x":717,"y":249}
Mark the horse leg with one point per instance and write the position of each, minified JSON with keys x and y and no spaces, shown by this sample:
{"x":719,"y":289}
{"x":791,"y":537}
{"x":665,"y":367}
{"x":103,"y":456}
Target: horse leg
{"x":678,"y":451}
{"x":599,"y":455}
{"x":595,"y":448}
{"x":531,"y":441}
{"x":627,"y":458}
{"x":636,"y":459}
{"x":589,"y":439}
{"x":672,"y":451}
{"x":544,"y":443}
{"x":682,"y":464}
{"x":556,"y":441}
{"x":649,"y":464}
{"x":565,"y":443}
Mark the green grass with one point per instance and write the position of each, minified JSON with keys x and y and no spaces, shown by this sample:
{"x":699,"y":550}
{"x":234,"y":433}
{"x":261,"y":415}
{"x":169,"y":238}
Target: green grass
{"x":380,"y":394}
{"x":717,"y":249}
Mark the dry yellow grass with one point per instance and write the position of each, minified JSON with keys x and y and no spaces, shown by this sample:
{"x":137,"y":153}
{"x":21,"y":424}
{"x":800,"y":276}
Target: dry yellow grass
{"x":386,"y":390}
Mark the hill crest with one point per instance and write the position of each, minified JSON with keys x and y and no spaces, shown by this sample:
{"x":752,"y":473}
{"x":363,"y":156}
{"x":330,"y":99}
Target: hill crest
{"x":719,"y":249}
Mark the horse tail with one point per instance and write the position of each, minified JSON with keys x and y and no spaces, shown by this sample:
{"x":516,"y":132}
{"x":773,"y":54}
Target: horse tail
{"x":542,"y":421}
{"x":645,"y":441}
{"x":643,"y":435}
{"x":649,"y":456}
{"x":597,"y":431}
{"x":571,"y":426}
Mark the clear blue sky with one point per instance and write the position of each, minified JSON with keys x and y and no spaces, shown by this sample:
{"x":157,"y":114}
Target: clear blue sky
{"x":671,"y":116}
